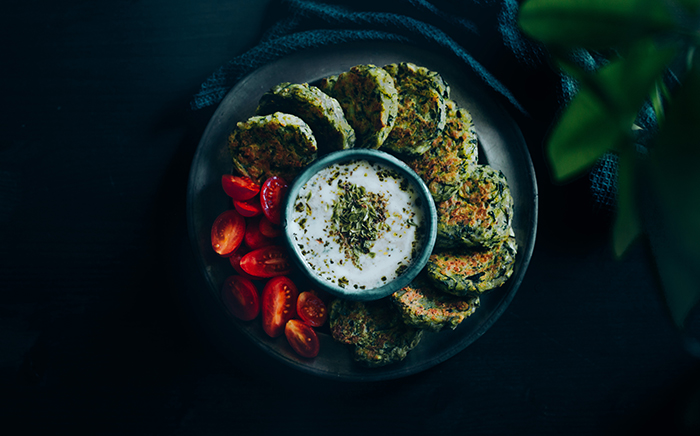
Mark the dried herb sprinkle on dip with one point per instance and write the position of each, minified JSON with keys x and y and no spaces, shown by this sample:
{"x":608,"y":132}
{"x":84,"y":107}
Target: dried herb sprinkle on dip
{"x":358,"y":224}
{"x":359,"y":218}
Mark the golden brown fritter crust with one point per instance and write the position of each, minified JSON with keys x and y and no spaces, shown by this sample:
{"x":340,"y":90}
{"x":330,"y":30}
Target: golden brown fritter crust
{"x":422,"y":109}
{"x":368,"y":97}
{"x":472,"y":272}
{"x":479,"y":214}
{"x":444,"y":166}
{"x":424,"y":307}
{"x":272,"y":145}
{"x":374,"y":328}
{"x":319,"y":110}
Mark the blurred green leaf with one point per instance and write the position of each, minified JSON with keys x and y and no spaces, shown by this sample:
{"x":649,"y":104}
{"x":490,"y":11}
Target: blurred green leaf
{"x":627,"y":226}
{"x":583,"y":133}
{"x":600,"y":116}
{"x":631,"y":82}
{"x":657,"y":100}
{"x":594,"y":23}
{"x":675,"y":181}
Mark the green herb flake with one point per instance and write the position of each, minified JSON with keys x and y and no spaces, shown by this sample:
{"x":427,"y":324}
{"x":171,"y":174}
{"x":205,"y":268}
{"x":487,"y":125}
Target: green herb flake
{"x":401,"y":269}
{"x":359,"y":218}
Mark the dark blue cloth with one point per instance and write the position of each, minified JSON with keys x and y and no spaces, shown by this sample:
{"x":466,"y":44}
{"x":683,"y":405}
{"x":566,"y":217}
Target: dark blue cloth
{"x":481,"y":34}
{"x":437,"y":25}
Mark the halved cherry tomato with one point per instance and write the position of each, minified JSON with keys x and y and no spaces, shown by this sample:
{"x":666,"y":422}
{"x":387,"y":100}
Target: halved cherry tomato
{"x":272,"y":195}
{"x":235,"y":260}
{"x":266,"y":262}
{"x":239,"y":188}
{"x":269,"y":229}
{"x":254,"y":239}
{"x":302,"y":338}
{"x":241,"y":297}
{"x":279,"y":299}
{"x":248,"y":208}
{"x":311,"y":309}
{"x":227,"y":232}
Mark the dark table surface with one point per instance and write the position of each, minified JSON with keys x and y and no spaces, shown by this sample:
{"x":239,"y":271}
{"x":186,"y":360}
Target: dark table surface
{"x":96,"y":332}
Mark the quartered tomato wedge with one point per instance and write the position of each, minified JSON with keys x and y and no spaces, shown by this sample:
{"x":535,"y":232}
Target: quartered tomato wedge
{"x":272,"y":196}
{"x":266,"y":262}
{"x":248,"y":208}
{"x":302,"y":338}
{"x":269,"y":229}
{"x":239,"y":188}
{"x":227,"y":232}
{"x":279,"y":298}
{"x":241,"y":297}
{"x":311,"y":309}
{"x":254,"y":239}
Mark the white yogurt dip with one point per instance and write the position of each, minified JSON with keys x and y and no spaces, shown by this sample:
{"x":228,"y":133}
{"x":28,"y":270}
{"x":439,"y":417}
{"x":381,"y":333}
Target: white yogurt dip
{"x":357,"y":224}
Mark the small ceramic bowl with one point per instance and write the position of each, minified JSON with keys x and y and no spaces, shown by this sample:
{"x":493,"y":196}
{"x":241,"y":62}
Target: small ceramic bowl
{"x":425,"y":237}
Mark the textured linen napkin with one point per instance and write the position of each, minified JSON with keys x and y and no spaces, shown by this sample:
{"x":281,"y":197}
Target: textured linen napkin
{"x":481,"y":34}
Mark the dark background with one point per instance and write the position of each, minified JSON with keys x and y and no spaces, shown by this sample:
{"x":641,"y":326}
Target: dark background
{"x":98,"y":336}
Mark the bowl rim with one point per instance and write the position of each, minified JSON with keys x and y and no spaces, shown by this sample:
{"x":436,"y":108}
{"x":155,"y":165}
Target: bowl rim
{"x":429,"y":234}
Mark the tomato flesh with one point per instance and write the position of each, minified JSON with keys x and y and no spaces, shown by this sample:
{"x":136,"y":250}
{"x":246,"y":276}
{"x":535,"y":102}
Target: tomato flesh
{"x":311,"y":309}
{"x":302,"y":338}
{"x":235,"y":260}
{"x":239,"y":188}
{"x":254,"y":239}
{"x":268,"y":228}
{"x":241,"y":297}
{"x":278,"y":305}
{"x":248,"y":208}
{"x":227,"y":232}
{"x":272,"y":196}
{"x":266,"y":262}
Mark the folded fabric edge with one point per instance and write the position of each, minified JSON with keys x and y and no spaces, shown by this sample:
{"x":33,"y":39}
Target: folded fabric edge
{"x":215,"y":88}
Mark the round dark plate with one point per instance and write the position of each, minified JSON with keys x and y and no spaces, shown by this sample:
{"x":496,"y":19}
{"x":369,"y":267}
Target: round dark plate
{"x":501,"y":146}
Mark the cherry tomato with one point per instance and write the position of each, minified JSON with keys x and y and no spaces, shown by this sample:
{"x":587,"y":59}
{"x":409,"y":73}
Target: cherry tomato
{"x":227,"y":232}
{"x":239,"y":188}
{"x":272,"y":195}
{"x":235,"y":260}
{"x":266,"y":262}
{"x":248,"y":208}
{"x":241,"y":297}
{"x":311,"y":309}
{"x":253,"y":238}
{"x":278,"y":304}
{"x":269,"y":229}
{"x":302,"y":338}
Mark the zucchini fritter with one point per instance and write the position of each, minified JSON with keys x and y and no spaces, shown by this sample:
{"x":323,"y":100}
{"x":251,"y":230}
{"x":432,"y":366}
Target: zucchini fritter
{"x":479,"y":214}
{"x":374,"y":328}
{"x":424,"y":307}
{"x":446,"y":163}
{"x":319,"y":110}
{"x":368,"y":97}
{"x":387,"y":346}
{"x":474,"y":272}
{"x":272,"y":145}
{"x":422,"y":110}
{"x":326,"y":84}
